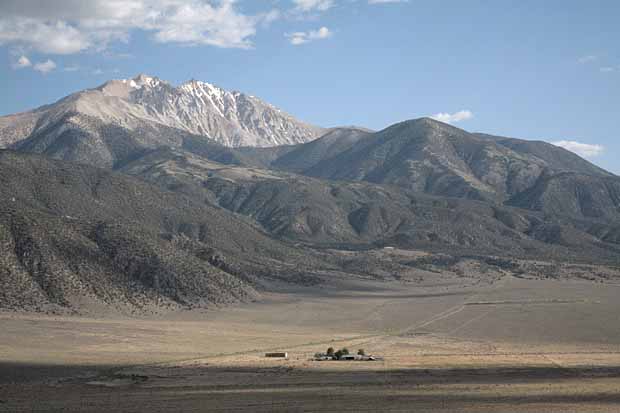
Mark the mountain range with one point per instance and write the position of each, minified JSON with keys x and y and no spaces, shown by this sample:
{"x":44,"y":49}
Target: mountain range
{"x":100,"y":125}
{"x":138,"y":194}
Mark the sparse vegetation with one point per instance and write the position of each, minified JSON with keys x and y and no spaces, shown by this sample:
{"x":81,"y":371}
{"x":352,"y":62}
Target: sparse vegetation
{"x":71,"y":228}
{"x":338,"y":355}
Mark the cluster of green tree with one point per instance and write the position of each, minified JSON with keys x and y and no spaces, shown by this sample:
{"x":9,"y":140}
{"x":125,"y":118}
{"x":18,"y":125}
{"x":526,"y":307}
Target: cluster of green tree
{"x":343,"y":352}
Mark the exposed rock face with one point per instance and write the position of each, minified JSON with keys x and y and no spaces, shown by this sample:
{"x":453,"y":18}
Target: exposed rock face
{"x":163,"y":196}
{"x":151,"y":112}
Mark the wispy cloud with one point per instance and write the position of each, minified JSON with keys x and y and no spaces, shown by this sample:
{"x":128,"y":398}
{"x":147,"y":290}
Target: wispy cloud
{"x":582,"y":149}
{"x":453,"y":117}
{"x":45,"y":67}
{"x":299,"y":38}
{"x":587,"y":59}
{"x":313,"y":5}
{"x":22,"y":63}
{"x":604,"y":63}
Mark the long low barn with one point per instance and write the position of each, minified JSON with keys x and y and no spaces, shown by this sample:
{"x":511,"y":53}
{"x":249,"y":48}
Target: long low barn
{"x":277,"y":355}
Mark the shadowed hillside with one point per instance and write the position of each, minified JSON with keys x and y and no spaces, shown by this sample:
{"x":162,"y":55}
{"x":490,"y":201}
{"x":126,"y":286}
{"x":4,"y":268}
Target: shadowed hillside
{"x":183,"y":221}
{"x":320,"y":212}
{"x":75,"y":236}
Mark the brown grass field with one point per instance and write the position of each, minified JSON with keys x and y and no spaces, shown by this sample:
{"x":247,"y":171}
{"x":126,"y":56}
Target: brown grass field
{"x":448,"y":344}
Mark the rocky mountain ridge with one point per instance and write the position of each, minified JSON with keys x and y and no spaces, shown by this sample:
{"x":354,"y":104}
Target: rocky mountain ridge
{"x":137,"y":195}
{"x":147,"y":103}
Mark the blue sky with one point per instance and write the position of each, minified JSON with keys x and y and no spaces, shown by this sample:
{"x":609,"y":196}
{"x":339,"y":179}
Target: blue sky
{"x":546,"y":70}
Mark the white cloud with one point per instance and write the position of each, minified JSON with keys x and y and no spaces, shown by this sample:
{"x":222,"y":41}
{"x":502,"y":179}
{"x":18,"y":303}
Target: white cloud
{"x":71,"y":68}
{"x":582,"y":149}
{"x":607,"y":69}
{"x":299,"y":38}
{"x":97,"y":72}
{"x":45,"y":67}
{"x":200,"y":23}
{"x":269,"y":17}
{"x":72,"y":26}
{"x":52,"y":38}
{"x":313,"y":5}
{"x":22,"y":62}
{"x":587,"y":59}
{"x":453,"y":117}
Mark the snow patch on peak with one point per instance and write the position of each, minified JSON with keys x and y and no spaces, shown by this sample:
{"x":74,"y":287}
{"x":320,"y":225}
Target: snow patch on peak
{"x":197,"y":85}
{"x":230,"y":118}
{"x":143,"y":80}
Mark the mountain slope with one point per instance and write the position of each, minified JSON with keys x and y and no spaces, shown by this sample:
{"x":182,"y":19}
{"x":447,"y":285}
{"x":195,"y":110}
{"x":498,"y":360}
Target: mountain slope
{"x":80,"y":138}
{"x":421,"y":155}
{"x":556,"y":157}
{"x":328,"y":213}
{"x":427,"y":156}
{"x":305,"y":156}
{"x":73,"y":236}
{"x":573,"y":195}
{"x":300,"y":157}
{"x":147,"y":105}
{"x":202,"y":233}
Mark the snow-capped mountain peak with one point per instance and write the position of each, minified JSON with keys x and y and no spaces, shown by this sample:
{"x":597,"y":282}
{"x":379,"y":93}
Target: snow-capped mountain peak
{"x":143,"y":80}
{"x":230,"y":118}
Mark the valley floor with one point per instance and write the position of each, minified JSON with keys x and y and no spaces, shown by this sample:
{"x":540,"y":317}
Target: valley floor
{"x":448,"y":344}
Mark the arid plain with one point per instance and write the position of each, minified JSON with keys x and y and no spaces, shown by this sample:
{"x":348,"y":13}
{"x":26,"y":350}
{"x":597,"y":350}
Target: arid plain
{"x":447,"y":343}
